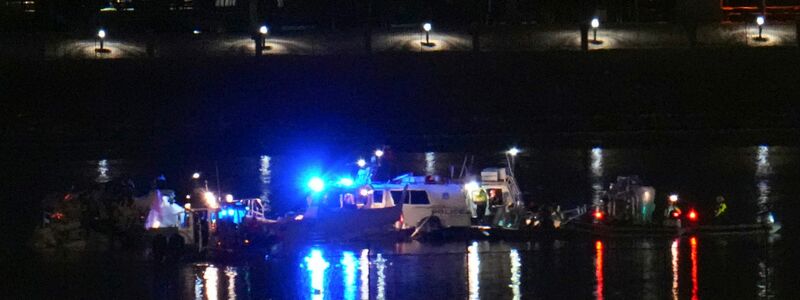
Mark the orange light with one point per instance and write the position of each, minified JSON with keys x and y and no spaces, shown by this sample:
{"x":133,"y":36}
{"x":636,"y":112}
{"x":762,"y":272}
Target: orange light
{"x":598,"y":270}
{"x":692,"y":215}
{"x":693,"y":241}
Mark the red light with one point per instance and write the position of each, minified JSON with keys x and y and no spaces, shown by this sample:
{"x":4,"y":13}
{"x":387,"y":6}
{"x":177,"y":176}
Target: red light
{"x":675,"y":214}
{"x":598,"y":215}
{"x":692,"y":215}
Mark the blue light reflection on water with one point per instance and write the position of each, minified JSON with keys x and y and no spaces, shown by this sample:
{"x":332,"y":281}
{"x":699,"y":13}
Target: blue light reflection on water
{"x":354,"y":273}
{"x":349,"y":268}
{"x":316,"y":266}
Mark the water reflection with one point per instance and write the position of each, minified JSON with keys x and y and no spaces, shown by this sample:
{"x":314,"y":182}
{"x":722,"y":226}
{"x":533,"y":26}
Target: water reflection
{"x":363,"y":267}
{"x":473,"y":270}
{"x":693,"y":243}
{"x":380,"y":267}
{"x":430,"y":163}
{"x":763,"y":172}
{"x":211,"y":280}
{"x":513,"y":256}
{"x":102,"y":171}
{"x":231,"y":273}
{"x":675,"y":268}
{"x":265,"y":176}
{"x":598,"y":270}
{"x":764,"y":279}
{"x":596,"y":176}
{"x":198,"y":288}
{"x":349,"y":268}
{"x":316,"y":266}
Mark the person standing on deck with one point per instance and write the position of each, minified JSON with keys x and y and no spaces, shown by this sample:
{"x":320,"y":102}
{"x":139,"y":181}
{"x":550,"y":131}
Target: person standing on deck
{"x":720,"y":213}
{"x":480,"y":202}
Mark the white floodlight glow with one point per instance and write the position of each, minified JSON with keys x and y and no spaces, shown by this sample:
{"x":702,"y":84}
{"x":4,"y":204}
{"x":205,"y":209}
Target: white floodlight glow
{"x":471,"y":186}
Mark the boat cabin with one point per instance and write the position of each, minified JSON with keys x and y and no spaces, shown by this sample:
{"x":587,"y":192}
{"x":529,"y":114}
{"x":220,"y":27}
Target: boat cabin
{"x":420,"y":200}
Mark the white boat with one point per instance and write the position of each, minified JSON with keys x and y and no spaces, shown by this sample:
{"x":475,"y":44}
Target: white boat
{"x":446,"y":204}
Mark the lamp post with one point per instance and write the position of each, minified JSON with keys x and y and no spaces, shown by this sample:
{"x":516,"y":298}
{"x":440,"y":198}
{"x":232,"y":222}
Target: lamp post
{"x":760,"y":22}
{"x":263,"y":30}
{"x":511,"y":154}
{"x":427,"y":27}
{"x":102,"y":35}
{"x":595,"y":24}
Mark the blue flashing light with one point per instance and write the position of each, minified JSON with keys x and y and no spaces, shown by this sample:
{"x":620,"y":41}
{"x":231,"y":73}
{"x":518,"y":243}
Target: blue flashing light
{"x":316,"y":184}
{"x":346,"y":181}
{"x":230,"y":212}
{"x":222,"y":213}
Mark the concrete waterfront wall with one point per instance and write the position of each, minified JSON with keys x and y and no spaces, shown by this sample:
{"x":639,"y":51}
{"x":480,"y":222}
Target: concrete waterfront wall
{"x":402,"y":39}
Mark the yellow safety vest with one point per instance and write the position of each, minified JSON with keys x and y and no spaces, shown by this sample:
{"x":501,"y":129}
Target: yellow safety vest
{"x":481,"y":197}
{"x":721,"y":208}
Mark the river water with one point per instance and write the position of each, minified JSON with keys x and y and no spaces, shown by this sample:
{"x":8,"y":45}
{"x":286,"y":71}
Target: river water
{"x":685,"y":268}
{"x":733,"y":267}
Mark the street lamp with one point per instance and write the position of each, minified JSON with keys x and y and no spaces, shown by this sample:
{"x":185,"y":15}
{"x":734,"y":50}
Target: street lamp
{"x":361,"y":163}
{"x":513,"y":151}
{"x":760,"y":22}
{"x":427,"y":27}
{"x":196,"y":175}
{"x":102,"y":35}
{"x":378,"y":153}
{"x":263,"y":30}
{"x":511,"y":154}
{"x":595,"y":24}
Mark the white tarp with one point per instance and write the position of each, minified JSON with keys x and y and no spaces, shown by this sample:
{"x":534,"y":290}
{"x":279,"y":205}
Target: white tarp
{"x":162,"y":213}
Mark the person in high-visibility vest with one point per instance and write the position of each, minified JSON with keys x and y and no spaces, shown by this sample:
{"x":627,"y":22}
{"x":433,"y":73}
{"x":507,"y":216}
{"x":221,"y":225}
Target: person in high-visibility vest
{"x":480,"y":202}
{"x":722,"y":208}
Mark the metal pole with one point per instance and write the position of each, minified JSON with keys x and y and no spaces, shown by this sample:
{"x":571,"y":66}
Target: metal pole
{"x":101,"y":43}
{"x":759,"y":31}
{"x":594,"y":39}
{"x":219,"y":189}
{"x":427,"y":37}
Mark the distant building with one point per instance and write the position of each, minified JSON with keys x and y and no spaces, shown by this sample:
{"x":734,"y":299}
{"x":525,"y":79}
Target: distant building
{"x":786,"y":9}
{"x":20,"y":6}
